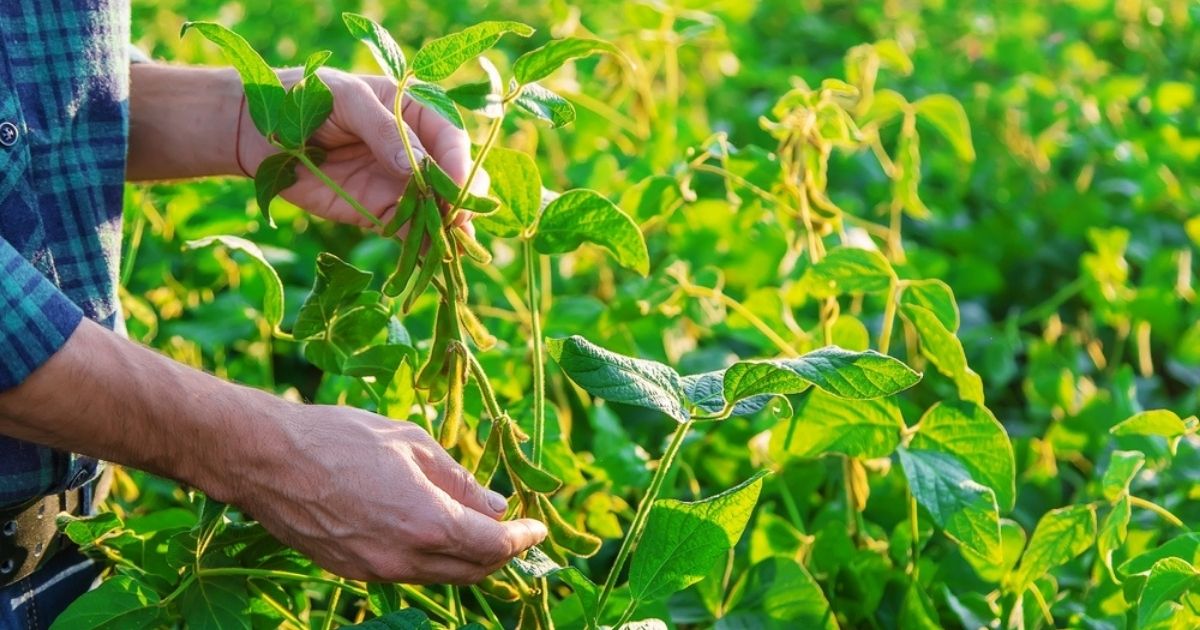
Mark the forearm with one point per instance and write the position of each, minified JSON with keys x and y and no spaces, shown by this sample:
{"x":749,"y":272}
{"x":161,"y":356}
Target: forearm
{"x":104,"y":396}
{"x":183,"y":122}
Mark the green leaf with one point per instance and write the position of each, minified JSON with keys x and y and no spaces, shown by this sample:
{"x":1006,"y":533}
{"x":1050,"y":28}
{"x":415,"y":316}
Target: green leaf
{"x":86,"y":531}
{"x":963,"y":508}
{"x":275,"y":174}
{"x":539,"y":63}
{"x":683,"y":540}
{"x":944,"y":351}
{"x":1060,"y":535}
{"x":706,"y":391}
{"x":518,"y":184}
{"x":585,"y":215}
{"x":383,"y":47}
{"x":1163,"y":422}
{"x":216,"y":603}
{"x":827,"y":424}
{"x":917,"y":612}
{"x":264,"y":92}
{"x":1186,"y":546}
{"x":536,"y":564}
{"x":1123,"y":466}
{"x":936,"y":296}
{"x":478,"y":97}
{"x":316,"y":61}
{"x":618,"y":378}
{"x":305,"y":108}
{"x":355,"y":328}
{"x":118,"y":603}
{"x":947,"y":115}
{"x":1169,"y":579}
{"x":545,"y":104}
{"x":441,"y":57}
{"x":973,"y":435}
{"x":1012,"y":543}
{"x":272,"y":285}
{"x":433,"y":97}
{"x":587,"y":590}
{"x":338,"y":283}
{"x":778,"y":593}
{"x":406,"y":619}
{"x":1113,"y":531}
{"x":849,"y":270}
{"x":846,"y":374}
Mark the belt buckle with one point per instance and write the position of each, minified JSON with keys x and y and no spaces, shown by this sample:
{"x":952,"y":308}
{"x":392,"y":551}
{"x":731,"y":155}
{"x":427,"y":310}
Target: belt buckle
{"x":29,"y":534}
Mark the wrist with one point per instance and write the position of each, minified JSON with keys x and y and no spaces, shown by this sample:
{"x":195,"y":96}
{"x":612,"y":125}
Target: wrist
{"x":246,"y":448}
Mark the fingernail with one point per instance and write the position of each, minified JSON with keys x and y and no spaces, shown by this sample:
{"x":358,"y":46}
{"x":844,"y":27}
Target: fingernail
{"x":539,"y":529}
{"x":496,"y":501}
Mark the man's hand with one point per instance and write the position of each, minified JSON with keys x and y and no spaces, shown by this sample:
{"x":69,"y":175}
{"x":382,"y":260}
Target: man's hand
{"x":186,"y":122}
{"x":365,"y":153}
{"x":377,"y":500}
{"x":366,"y":497}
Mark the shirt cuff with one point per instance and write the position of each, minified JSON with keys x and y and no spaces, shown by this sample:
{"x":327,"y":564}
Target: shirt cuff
{"x":36,"y":318}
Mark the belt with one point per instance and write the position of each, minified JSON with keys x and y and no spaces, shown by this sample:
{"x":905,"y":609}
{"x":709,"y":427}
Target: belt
{"x":29,"y":534}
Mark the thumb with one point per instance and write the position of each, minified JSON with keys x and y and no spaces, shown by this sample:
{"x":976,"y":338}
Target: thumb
{"x":369,"y":119}
{"x":460,"y":484}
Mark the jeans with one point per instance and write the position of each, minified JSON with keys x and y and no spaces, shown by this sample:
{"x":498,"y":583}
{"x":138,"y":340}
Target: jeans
{"x":34,"y":602}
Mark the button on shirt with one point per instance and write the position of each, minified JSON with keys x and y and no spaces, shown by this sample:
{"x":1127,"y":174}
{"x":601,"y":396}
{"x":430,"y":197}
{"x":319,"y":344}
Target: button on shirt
{"x":64,"y":87}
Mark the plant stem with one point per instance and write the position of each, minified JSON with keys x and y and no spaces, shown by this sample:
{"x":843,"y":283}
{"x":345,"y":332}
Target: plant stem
{"x":916,"y":533}
{"x":421,"y":598}
{"x":1165,"y":514}
{"x":331,"y":610}
{"x":487,"y":608}
{"x":539,"y":366}
{"x":737,"y":307}
{"x":398,"y":112}
{"x":338,"y":190}
{"x":889,"y":315}
{"x":625,"y":616}
{"x":643,"y":512}
{"x":489,"y":141}
{"x":456,"y":600}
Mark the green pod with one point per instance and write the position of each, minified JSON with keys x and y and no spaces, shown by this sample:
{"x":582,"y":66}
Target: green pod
{"x":520,"y":467}
{"x":489,"y":459}
{"x":499,"y":589}
{"x":433,"y":261}
{"x":471,"y":247}
{"x":398,"y":281}
{"x":483,"y":339}
{"x":406,"y":208}
{"x":436,"y":362}
{"x":572,"y":540}
{"x":437,"y":232}
{"x":459,"y":278}
{"x":456,"y":369}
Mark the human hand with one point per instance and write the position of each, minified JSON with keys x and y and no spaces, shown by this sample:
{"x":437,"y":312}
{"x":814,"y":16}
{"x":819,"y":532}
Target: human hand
{"x":365,"y":153}
{"x":373,"y":499}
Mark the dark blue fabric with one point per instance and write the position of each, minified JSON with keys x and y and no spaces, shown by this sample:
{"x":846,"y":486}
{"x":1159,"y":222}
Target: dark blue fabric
{"x":34,"y":602}
{"x":64,"y":83}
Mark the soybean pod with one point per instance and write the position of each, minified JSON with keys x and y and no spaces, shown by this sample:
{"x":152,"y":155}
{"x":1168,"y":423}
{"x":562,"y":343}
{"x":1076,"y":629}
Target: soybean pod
{"x":563,"y":534}
{"x":409,"y":254}
{"x":471,"y":247}
{"x":489,"y":460}
{"x":457,"y":374}
{"x":442,"y":336}
{"x":406,"y":208}
{"x":531,"y":476}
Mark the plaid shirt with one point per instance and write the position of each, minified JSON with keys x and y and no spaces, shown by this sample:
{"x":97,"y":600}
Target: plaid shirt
{"x":64,"y":89}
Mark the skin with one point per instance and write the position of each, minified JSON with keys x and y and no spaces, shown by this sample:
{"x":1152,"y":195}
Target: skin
{"x":366,"y":497}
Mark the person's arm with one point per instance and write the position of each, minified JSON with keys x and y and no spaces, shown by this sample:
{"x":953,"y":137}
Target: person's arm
{"x":367,"y":498}
{"x":185,"y":122}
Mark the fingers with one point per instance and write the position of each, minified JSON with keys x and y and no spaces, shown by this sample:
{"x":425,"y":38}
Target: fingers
{"x":368,"y":117}
{"x":461,"y":486}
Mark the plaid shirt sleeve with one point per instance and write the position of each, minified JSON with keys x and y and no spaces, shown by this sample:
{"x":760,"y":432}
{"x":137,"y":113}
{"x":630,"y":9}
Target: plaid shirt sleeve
{"x":35,"y":321}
